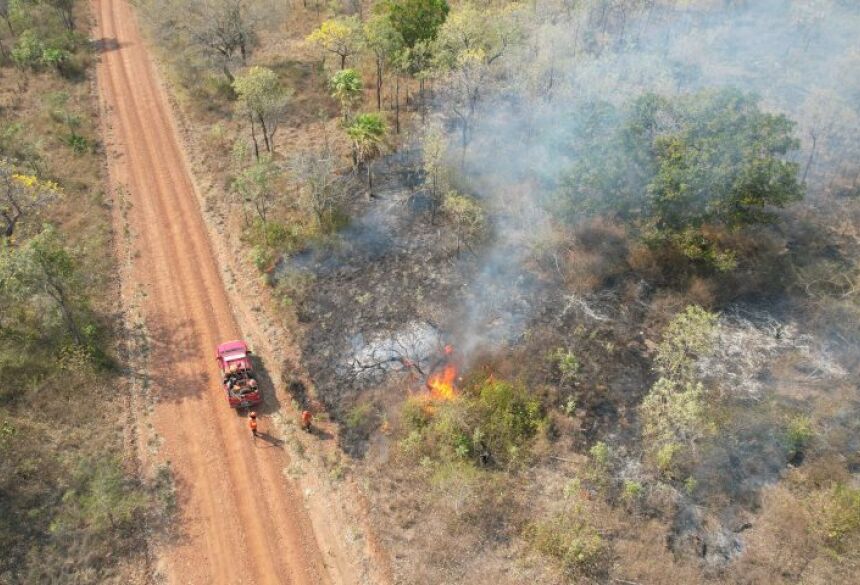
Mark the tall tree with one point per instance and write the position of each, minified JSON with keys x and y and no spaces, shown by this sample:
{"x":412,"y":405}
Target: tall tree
{"x":385,"y":41}
{"x":225,"y":31}
{"x":467,"y":44}
{"x":257,"y":188}
{"x":65,"y":9}
{"x":316,"y":172}
{"x":367,"y":133}
{"x":341,"y":36}
{"x":346,"y":88}
{"x":415,"y":20}
{"x":42,"y":273}
{"x":264,"y":100}
{"x":673,"y":167}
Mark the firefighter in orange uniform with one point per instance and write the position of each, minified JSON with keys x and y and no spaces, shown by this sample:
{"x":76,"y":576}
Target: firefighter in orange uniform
{"x":252,"y":422}
{"x":306,"y":420}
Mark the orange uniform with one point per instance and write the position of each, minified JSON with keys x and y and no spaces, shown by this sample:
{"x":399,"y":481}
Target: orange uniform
{"x":306,"y":419}
{"x":252,"y":423}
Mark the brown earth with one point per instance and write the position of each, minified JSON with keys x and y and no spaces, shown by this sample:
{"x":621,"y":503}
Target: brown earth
{"x":240,"y":519}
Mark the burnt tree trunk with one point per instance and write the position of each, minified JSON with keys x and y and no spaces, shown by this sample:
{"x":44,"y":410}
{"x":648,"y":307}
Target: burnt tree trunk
{"x":254,"y":137}
{"x":378,"y":84}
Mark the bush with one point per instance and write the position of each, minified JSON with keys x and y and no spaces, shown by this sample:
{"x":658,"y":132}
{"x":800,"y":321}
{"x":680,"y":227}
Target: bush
{"x":798,"y":434}
{"x":27,"y":52}
{"x":492,"y":422}
{"x":567,"y":364}
{"x":840,"y":516}
{"x":569,"y":538}
{"x":55,"y":58}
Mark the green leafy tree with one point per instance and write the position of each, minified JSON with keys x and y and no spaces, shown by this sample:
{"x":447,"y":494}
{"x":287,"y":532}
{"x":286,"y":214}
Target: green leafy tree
{"x":341,"y":36}
{"x":258,"y":189}
{"x":415,"y":20}
{"x":42,"y":273}
{"x":675,"y":166}
{"x":346,"y":88}
{"x":466,"y":46}
{"x":55,"y":58}
{"x":27,"y":52}
{"x":467,"y":215}
{"x":264,"y":101}
{"x":367,"y":133}
{"x":386,"y":42}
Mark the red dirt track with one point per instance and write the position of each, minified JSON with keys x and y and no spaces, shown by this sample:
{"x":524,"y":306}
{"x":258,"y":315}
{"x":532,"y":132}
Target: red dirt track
{"x":240,"y":520}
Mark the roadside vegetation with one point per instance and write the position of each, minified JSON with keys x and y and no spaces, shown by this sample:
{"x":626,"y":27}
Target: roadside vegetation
{"x":73,"y":507}
{"x":634,"y":221}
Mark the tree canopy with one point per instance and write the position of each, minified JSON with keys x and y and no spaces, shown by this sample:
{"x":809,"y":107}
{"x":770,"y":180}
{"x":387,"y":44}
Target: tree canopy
{"x":341,"y":36}
{"x":416,"y":20}
{"x":673,"y":166}
{"x":265,"y":99}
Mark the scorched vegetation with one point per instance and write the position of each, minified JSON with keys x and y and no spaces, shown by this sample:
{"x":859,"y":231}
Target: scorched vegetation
{"x":578,"y":280}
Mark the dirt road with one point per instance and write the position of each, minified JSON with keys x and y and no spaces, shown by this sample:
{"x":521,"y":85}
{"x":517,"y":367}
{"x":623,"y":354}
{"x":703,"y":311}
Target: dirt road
{"x":240,"y":519}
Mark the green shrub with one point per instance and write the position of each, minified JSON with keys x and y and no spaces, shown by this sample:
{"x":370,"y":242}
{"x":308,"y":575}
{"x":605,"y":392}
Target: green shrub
{"x":101,"y":498}
{"x":262,"y":257}
{"x":632,"y":490}
{"x":840,"y":516}
{"x":569,"y":539}
{"x":491,"y":423}
{"x":27,"y":52}
{"x":798,"y":434}
{"x":79,"y":144}
{"x":55,"y":58}
{"x":665,"y":459}
{"x":567,"y":364}
{"x":359,"y":416}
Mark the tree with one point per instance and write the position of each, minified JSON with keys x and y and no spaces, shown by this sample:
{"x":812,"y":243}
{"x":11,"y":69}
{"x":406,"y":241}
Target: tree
{"x":485,"y":32}
{"x":264,"y":100}
{"x":223,"y":30}
{"x":385,"y":41}
{"x":341,"y":36}
{"x":675,"y":166}
{"x":256,"y":187}
{"x":415,"y":20}
{"x":433,"y":148}
{"x":43,"y":272}
{"x":65,"y":9}
{"x":21,"y":196}
{"x":346,"y":88}
{"x":468,"y":43}
{"x":467,"y":215}
{"x":101,"y":498}
{"x":674,"y":411}
{"x":367,"y":133}
{"x":27,"y":52}
{"x":6,"y":11}
{"x":315,"y":170}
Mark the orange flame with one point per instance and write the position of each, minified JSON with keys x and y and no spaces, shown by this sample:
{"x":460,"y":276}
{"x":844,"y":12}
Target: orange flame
{"x":441,"y":384}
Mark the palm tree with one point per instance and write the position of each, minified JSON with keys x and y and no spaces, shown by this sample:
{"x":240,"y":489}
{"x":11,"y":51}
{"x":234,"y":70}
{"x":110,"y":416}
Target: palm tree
{"x":367,"y":133}
{"x":346,"y":88}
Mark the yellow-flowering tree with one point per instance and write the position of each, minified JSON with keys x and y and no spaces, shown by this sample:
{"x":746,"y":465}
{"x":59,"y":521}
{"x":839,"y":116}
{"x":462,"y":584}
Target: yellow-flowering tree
{"x":341,"y":36}
{"x":21,"y":195}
